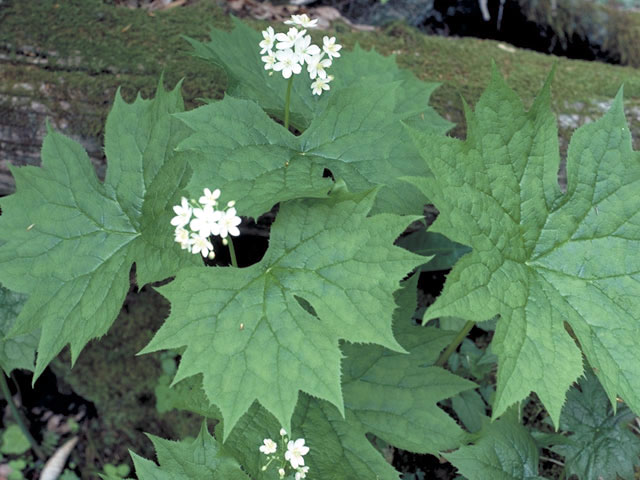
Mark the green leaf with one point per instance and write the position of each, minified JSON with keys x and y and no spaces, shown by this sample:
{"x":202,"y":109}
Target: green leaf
{"x":354,"y":130}
{"x":71,"y":240}
{"x":473,"y":361}
{"x":388,"y":394}
{"x":504,"y":451}
{"x":542,"y":258}
{"x":20,"y":351}
{"x":184,"y":395}
{"x":600,"y":444}
{"x":394,"y":396}
{"x":446,"y":253}
{"x":359,"y":138}
{"x":470,"y":409}
{"x":339,"y":447}
{"x":249,"y":331}
{"x":247,"y":79}
{"x":14,"y":442}
{"x":253,"y":160}
{"x":202,"y":458}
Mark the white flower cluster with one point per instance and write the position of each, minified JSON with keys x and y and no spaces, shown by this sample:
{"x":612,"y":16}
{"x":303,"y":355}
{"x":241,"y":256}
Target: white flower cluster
{"x":294,"y":49}
{"x":294,"y":455}
{"x":195,"y":222}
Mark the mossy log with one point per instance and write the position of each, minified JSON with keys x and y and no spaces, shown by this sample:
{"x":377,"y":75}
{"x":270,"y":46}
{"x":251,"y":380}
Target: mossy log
{"x":63,"y":61}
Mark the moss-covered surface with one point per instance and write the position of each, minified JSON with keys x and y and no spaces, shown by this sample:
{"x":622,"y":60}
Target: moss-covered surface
{"x":88,"y":48}
{"x":610,"y":32}
{"x":77,"y":52}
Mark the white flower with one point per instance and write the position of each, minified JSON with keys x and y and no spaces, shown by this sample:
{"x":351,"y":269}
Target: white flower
{"x":269,"y":60}
{"x":182,"y":237}
{"x":303,"y":21}
{"x":183,"y":214}
{"x":229,"y":223}
{"x":287,"y":63}
{"x":283,"y":432}
{"x":302,"y":473}
{"x":206,"y":221}
{"x":316,"y":66}
{"x":304,"y":50}
{"x":321,"y":84}
{"x":287,"y":41}
{"x":269,"y":446}
{"x":269,"y":39}
{"x":281,"y":472}
{"x":231,"y":203}
{"x":209,"y":197}
{"x":295,"y":451}
{"x":200,"y":245}
{"x":330,"y":47}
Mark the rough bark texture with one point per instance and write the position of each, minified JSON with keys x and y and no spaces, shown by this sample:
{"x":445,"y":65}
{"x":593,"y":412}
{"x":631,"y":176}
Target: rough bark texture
{"x":24,"y":110}
{"x":63,"y":62}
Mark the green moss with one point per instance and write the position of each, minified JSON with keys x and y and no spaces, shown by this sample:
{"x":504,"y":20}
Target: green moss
{"x":90,"y":49}
{"x":99,"y":47}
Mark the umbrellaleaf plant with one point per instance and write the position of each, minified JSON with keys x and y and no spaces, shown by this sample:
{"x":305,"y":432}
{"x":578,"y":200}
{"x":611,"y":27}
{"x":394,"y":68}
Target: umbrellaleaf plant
{"x":314,"y":345}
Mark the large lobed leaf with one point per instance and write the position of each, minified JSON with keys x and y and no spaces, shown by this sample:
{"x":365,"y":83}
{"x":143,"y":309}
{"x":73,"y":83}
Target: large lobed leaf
{"x":201,"y":458}
{"x":258,"y":162}
{"x":600,"y":443}
{"x":388,"y":394}
{"x":71,"y":240}
{"x":247,"y":79}
{"x":445,"y":252}
{"x":267,"y":331}
{"x":505,"y":450}
{"x":353,"y":130}
{"x":399,"y":407}
{"x":541,"y":258}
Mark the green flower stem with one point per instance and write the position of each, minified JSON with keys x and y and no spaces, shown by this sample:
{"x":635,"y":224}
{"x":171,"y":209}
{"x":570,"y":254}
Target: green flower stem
{"x":287,"y":102}
{"x":454,"y":344}
{"x":16,"y":414}
{"x":232,"y":252}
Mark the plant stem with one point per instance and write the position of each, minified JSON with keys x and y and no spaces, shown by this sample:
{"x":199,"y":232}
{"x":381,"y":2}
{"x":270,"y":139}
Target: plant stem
{"x":232,"y":252}
{"x":286,"y":103}
{"x":16,"y":414}
{"x":552,"y":460}
{"x":454,"y":343}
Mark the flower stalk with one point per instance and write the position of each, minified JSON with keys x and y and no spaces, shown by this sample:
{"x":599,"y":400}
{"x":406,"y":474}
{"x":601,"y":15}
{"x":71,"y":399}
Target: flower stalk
{"x":232,"y":253}
{"x":442,"y":360}
{"x":287,"y":101}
